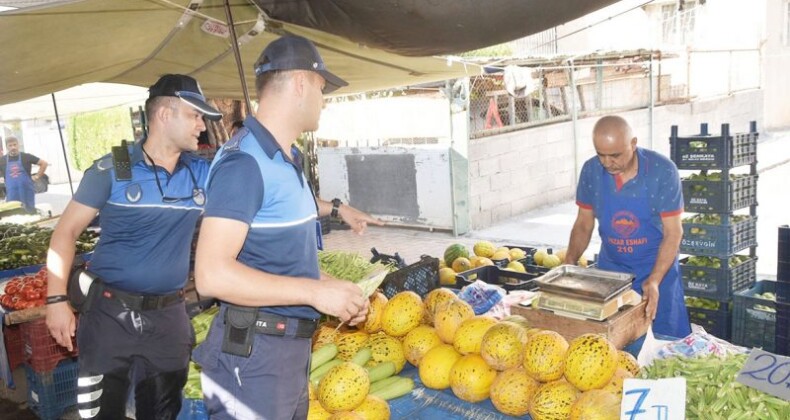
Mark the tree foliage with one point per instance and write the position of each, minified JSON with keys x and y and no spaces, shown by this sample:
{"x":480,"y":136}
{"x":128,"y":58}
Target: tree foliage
{"x":92,"y":134}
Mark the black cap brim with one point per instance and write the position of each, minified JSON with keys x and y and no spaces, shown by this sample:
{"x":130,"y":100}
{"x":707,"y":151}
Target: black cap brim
{"x":333,"y":82}
{"x":208,"y":111}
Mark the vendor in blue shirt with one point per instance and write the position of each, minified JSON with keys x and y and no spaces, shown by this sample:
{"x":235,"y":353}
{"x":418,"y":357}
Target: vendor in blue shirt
{"x":134,"y":330}
{"x":636,"y":196}
{"x":258,"y":247}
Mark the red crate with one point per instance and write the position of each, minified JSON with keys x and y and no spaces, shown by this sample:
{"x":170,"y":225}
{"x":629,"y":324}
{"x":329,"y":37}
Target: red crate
{"x":14,"y":345}
{"x":42,"y":352}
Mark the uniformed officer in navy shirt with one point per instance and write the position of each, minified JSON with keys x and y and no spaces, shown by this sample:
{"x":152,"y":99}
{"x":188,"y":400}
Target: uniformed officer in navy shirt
{"x":257,"y":246}
{"x":136,"y":331}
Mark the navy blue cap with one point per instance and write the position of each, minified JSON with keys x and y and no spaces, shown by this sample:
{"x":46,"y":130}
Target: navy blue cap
{"x":188,"y":90}
{"x":292,"y":52}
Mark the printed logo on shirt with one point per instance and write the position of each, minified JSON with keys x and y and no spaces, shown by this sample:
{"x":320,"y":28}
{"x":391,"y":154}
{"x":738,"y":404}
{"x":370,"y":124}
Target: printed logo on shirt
{"x":134,"y":193}
{"x":15,"y":170}
{"x":625,"y":223}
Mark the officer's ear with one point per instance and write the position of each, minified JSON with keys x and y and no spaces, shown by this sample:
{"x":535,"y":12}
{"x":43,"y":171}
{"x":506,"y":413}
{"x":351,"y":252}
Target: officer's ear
{"x":633,"y":143}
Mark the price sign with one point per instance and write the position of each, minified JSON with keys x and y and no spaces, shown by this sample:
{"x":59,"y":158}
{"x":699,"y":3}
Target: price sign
{"x":767,"y":372}
{"x":659,"y":399}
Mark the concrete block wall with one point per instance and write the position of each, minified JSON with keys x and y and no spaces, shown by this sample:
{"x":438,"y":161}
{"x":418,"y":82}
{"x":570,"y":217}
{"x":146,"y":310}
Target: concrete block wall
{"x":515,"y":172}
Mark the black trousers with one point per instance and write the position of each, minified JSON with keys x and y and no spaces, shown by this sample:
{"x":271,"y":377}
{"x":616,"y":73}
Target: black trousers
{"x":121,"y":348}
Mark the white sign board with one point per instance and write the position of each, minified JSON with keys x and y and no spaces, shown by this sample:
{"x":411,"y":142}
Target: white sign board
{"x":659,"y":399}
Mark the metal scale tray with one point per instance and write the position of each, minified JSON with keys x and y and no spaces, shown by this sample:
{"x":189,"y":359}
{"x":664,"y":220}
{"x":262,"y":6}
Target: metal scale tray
{"x":589,"y":284}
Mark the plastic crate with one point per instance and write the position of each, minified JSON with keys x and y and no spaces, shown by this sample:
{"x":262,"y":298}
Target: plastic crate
{"x":717,"y":322}
{"x":14,"y":345}
{"x":420,"y":277}
{"x":42,"y":352}
{"x":718,"y":283}
{"x":719,"y":196}
{"x":507,"y":279}
{"x":394,"y":260}
{"x":704,"y":151}
{"x":718,"y":240}
{"x":753,"y":325}
{"x":50,"y":393}
{"x":326,"y":223}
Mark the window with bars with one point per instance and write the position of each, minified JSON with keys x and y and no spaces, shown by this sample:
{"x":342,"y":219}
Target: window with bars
{"x":678,"y":24}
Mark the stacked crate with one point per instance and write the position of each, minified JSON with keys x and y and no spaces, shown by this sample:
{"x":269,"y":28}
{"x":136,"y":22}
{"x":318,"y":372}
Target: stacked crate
{"x":50,"y":369}
{"x":719,"y":239}
{"x":782,"y":333}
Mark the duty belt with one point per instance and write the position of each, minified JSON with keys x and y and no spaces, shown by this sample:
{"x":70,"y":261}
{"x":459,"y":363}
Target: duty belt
{"x":272,"y":324}
{"x":137,"y":302}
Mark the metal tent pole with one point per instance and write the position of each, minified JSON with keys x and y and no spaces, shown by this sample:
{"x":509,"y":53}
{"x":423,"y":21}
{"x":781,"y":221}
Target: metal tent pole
{"x":62,"y":143}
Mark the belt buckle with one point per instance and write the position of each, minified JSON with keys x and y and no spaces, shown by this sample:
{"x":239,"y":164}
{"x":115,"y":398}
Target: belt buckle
{"x":149,"y":303}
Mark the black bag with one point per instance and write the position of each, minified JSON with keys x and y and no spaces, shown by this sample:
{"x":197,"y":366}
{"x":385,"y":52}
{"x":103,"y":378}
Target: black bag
{"x":41,"y":185}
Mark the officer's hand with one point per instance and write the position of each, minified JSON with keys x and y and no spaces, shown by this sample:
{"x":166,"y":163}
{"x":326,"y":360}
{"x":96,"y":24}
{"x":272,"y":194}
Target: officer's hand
{"x":61,"y":323}
{"x":650,"y":293}
{"x":356,"y":219}
{"x":341,"y":299}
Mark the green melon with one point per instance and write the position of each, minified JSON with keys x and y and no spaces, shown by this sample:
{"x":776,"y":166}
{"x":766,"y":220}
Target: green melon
{"x":455,"y":251}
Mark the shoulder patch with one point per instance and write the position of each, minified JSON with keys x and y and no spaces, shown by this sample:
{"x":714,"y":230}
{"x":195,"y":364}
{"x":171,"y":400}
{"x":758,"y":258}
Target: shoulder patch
{"x":103,"y":163}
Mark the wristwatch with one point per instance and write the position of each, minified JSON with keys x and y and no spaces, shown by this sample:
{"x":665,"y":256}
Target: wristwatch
{"x":335,"y":206}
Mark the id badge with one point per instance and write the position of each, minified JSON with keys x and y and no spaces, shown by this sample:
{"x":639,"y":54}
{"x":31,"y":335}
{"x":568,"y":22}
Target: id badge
{"x":319,"y":238}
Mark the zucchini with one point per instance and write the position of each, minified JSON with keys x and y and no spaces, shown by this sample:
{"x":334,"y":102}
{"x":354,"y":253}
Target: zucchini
{"x":381,"y":371}
{"x":397,"y":389}
{"x":362,"y":356}
{"x":375,"y":386}
{"x":322,"y":356}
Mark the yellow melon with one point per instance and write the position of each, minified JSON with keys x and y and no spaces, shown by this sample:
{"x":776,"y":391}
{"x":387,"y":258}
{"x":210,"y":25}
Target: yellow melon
{"x":373,"y":321}
{"x":316,"y":411}
{"x":469,"y":335}
{"x":561,"y":254}
{"x":503,"y":345}
{"x":471,"y":378}
{"x":553,"y":401}
{"x":373,"y":408}
{"x":512,"y":390}
{"x":436,"y":365}
{"x":544,"y":356}
{"x":483,"y":262}
{"x":436,"y":298}
{"x":517,"y":253}
{"x":344,"y":387}
{"x":615,"y":386}
{"x":551,"y":261}
{"x":501,"y":255}
{"x":418,"y":342}
{"x":484,"y":249}
{"x":448,"y":318}
{"x":349,"y":343}
{"x":516,"y":266}
{"x":462,"y":264}
{"x":628,"y":362}
{"x":384,"y":348}
{"x":590,"y":362}
{"x":538,"y":256}
{"x":447,"y":276}
{"x":402,"y":314}
{"x":596,"y":405}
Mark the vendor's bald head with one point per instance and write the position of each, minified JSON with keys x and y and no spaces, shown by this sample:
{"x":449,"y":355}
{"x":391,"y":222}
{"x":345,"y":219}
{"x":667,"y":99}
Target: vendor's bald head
{"x":614,"y":143}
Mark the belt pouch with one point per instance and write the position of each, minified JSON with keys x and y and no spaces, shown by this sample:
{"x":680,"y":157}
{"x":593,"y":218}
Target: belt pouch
{"x":239,"y":330}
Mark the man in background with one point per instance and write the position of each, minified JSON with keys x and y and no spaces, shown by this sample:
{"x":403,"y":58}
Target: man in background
{"x":16,"y":168}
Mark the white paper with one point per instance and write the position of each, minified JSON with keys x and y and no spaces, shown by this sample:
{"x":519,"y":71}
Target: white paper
{"x":654,"y":399}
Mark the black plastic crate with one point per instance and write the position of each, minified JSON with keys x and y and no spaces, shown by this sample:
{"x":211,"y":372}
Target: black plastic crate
{"x":718,"y":240}
{"x":507,"y":279}
{"x":420,"y":277}
{"x":326,"y":224}
{"x":754,"y":318}
{"x":718,"y":283}
{"x":719,"y":196}
{"x":49,"y":394}
{"x":704,"y":151}
{"x":717,"y":322}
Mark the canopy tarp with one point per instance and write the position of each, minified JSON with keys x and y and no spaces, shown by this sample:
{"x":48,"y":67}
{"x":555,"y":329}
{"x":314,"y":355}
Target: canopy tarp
{"x":57,"y":46}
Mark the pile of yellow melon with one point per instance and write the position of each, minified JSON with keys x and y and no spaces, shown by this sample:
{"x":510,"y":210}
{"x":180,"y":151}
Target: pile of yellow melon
{"x":521,"y":369}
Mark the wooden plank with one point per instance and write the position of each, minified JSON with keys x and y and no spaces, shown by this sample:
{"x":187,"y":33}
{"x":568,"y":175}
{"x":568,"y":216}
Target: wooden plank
{"x":621,"y":329}
{"x":25,"y":315}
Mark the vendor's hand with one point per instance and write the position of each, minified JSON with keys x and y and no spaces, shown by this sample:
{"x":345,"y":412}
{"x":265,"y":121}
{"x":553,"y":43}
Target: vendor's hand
{"x":650,"y":293}
{"x":35,"y":177}
{"x":356,"y":219}
{"x":61,"y":323}
{"x":361,"y":316}
{"x":341,"y":299}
